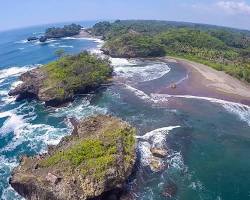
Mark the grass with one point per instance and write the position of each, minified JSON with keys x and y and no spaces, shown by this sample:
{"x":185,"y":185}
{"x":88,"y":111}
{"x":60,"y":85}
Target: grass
{"x":95,"y":156}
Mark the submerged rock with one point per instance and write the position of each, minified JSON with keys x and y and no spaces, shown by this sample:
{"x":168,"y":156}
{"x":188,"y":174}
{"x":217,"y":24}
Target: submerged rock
{"x":94,"y":163}
{"x":170,"y":190}
{"x":56,"y":83}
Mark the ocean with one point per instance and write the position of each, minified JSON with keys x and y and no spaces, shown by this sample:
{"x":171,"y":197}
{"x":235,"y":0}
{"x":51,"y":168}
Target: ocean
{"x":208,"y":139}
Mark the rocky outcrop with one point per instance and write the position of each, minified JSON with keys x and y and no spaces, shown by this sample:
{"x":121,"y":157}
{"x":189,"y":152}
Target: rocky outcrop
{"x":58,"y":82}
{"x":33,"y":87}
{"x":30,"y":88}
{"x":92,"y":164}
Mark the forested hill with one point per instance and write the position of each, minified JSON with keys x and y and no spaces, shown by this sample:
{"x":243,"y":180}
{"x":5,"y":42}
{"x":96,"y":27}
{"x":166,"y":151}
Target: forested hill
{"x":223,"y":48}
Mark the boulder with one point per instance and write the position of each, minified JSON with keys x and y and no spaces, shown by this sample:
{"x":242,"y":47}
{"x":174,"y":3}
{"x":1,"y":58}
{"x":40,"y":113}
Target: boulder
{"x":159,"y":152}
{"x":156,"y":164}
{"x":95,"y":163}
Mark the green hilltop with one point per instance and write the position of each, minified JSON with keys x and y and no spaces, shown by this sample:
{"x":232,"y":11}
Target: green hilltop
{"x":222,"y":48}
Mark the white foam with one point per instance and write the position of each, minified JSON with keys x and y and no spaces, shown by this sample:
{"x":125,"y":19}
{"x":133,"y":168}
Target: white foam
{"x":158,"y":135}
{"x":79,"y":110}
{"x":155,"y":138}
{"x":142,"y":95}
{"x":241,"y":110}
{"x":22,"y":42}
{"x":15,"y":71}
{"x":131,"y":71}
{"x":66,"y":46}
{"x":122,"y":62}
{"x":13,"y":122}
{"x":3,"y":92}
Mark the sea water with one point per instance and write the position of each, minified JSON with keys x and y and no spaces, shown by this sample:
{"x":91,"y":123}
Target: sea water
{"x":208,"y":140}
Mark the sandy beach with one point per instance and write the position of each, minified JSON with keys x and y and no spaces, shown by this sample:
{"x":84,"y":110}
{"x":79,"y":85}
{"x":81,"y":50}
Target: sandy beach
{"x":208,"y":82}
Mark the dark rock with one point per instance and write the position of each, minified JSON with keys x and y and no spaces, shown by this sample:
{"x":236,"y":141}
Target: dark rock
{"x":29,"y":89}
{"x":32,"y":38}
{"x":43,"y":39}
{"x":173,"y":86}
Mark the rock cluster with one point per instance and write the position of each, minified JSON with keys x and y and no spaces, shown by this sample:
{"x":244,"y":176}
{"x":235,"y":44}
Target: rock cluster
{"x":94,"y":163}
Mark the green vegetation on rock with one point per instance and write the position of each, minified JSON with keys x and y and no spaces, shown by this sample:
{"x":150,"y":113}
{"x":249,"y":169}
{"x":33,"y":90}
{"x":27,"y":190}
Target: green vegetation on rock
{"x":134,"y":45}
{"x":97,"y":158}
{"x":222,"y":48}
{"x":66,"y":31}
{"x":58,"y":81}
{"x":71,"y":74}
{"x":93,"y":156}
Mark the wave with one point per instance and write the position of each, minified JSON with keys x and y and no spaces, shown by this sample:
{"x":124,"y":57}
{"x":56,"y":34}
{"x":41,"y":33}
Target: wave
{"x":13,"y":122}
{"x":152,"y":139}
{"x":22,"y":42}
{"x":15,"y":71}
{"x":122,"y":62}
{"x":241,"y":110}
{"x":133,"y":72}
{"x":79,"y":110}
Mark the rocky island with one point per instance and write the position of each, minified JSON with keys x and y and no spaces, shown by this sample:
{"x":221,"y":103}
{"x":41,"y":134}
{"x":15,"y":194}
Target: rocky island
{"x":94,"y":162}
{"x":57,"y":82}
{"x":56,"y":32}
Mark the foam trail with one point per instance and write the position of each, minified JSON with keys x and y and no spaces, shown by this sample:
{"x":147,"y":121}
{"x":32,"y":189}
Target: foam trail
{"x":142,"y":95}
{"x":241,"y":110}
{"x":158,"y":134}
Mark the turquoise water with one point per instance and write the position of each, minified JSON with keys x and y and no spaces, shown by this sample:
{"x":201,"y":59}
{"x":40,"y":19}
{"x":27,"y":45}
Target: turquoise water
{"x":208,"y":139}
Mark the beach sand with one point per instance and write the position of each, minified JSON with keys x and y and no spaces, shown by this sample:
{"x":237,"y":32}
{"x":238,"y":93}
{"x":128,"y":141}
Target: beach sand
{"x":208,"y":82}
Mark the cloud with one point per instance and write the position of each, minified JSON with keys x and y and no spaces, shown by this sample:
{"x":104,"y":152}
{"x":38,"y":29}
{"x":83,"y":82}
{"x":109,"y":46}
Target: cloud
{"x":234,"y":7}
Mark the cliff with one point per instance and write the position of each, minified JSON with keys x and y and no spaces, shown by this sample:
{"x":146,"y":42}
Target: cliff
{"x":95,"y":160}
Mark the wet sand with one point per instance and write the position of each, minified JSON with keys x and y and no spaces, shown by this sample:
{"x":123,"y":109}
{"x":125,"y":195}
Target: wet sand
{"x":207,"y":82}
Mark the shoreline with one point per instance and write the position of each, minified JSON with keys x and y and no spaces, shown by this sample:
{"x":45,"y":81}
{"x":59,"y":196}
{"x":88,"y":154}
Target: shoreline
{"x":205,"y":81}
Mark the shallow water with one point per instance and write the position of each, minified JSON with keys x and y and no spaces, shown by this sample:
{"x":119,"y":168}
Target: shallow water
{"x":208,"y":139}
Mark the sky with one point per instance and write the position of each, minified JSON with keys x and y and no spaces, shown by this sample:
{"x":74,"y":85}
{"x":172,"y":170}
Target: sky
{"x":23,"y":13}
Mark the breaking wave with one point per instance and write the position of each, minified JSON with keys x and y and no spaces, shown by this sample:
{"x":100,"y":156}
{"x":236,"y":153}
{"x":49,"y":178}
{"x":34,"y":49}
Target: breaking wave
{"x":155,"y":138}
{"x":241,"y":110}
{"x":15,"y":71}
{"x":136,"y":73}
